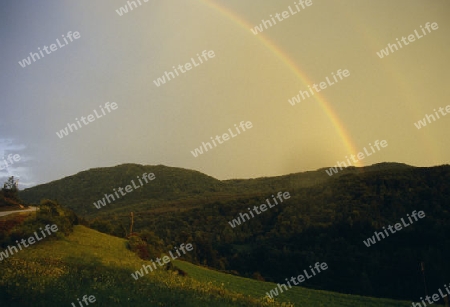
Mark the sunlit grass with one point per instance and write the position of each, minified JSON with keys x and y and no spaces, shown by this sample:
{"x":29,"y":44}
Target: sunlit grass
{"x":56,"y":273}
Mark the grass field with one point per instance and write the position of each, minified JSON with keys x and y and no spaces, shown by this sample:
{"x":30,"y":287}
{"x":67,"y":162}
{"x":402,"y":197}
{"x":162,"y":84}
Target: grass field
{"x":297,"y":295}
{"x":56,"y":273}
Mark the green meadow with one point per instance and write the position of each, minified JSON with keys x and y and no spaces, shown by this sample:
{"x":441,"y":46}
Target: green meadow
{"x":56,"y":273}
{"x":87,"y":262}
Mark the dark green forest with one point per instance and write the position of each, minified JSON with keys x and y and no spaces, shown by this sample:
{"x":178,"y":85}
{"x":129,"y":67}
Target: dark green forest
{"x":325,"y":220}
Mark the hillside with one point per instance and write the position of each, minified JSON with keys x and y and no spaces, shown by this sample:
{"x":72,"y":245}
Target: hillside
{"x":81,"y":190}
{"x":175,"y":186}
{"x":88,"y":262}
{"x":92,"y":263}
{"x":326,"y":219}
{"x":8,"y":204}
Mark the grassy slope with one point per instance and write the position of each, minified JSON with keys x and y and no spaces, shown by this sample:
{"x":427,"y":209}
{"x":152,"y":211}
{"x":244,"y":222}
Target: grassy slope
{"x":297,"y":295}
{"x":55,"y":273}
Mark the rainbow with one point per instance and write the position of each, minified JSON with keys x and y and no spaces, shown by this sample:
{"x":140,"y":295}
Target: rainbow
{"x":324,"y":104}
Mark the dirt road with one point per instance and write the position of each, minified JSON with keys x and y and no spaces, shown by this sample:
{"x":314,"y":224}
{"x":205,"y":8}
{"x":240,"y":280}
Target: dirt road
{"x":11,"y":212}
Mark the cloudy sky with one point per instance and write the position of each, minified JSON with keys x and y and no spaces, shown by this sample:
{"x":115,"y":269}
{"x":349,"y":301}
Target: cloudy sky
{"x":116,"y":58}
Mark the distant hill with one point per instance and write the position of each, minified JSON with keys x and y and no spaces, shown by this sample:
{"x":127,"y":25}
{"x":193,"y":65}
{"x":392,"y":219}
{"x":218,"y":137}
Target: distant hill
{"x":81,"y":190}
{"x":181,"y":186}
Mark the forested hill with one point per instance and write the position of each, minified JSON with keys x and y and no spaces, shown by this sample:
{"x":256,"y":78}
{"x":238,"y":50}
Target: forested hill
{"x":327,"y":222}
{"x":182,"y":186}
{"x":81,"y":190}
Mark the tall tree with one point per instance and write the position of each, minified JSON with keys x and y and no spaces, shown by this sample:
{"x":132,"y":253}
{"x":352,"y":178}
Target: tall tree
{"x":10,"y":188}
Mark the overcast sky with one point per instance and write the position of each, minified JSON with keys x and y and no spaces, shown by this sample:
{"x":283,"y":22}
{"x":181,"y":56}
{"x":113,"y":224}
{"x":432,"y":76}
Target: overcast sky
{"x":116,"y":58}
